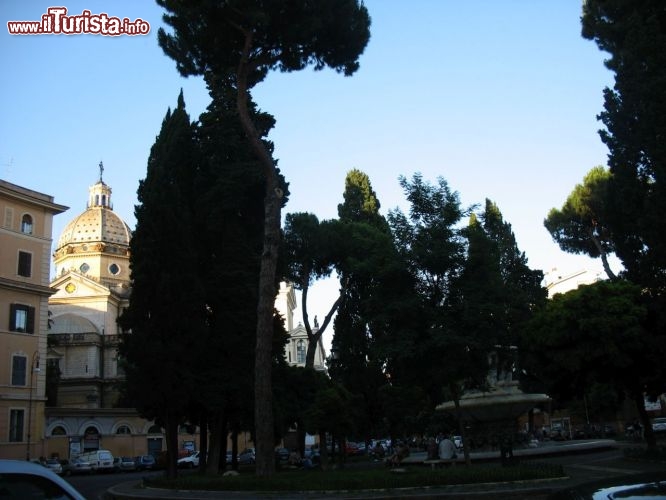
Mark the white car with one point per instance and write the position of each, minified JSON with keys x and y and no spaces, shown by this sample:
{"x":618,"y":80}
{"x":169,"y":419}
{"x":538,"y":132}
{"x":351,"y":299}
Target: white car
{"x":659,"y":424}
{"x":54,"y":465}
{"x":190,"y":461}
{"x":23,"y":479}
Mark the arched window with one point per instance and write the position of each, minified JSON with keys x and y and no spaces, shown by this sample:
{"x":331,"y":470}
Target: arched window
{"x":155,"y":429}
{"x":26,"y":224}
{"x":91,"y":439}
{"x":123,"y":429}
{"x":59,"y":431}
{"x":300,"y":351}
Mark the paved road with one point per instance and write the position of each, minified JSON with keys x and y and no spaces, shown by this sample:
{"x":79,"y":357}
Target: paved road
{"x":596,"y":464}
{"x":94,"y":487}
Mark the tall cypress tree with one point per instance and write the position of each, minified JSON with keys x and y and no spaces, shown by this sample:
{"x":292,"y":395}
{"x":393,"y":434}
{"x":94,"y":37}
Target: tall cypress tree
{"x":366,"y":282}
{"x":165,"y":315}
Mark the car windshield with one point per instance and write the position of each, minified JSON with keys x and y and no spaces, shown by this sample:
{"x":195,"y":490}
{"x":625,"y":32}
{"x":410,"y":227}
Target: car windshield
{"x":105,"y":455}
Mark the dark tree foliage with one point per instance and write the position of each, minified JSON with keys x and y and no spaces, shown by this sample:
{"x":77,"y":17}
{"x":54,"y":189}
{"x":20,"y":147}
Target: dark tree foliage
{"x":165,"y":322}
{"x":370,"y":289}
{"x":597,"y":334}
{"x":581,"y":225}
{"x":433,"y":248}
{"x":521,"y":292}
{"x":239,"y":42}
{"x":360,"y":201}
{"x":633,"y":33}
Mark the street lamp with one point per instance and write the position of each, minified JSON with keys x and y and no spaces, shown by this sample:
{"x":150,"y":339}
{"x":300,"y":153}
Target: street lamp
{"x":34,"y":368}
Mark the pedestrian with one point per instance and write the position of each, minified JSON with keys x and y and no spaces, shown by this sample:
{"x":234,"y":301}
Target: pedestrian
{"x":432,"y":449}
{"x":447,"y":450}
{"x":401,"y":452}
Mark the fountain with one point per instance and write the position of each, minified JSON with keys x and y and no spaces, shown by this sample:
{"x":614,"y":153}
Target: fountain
{"x":490,"y":416}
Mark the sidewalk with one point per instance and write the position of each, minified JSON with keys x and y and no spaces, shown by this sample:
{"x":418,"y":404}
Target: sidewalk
{"x":604,"y":468}
{"x":546,"y":448}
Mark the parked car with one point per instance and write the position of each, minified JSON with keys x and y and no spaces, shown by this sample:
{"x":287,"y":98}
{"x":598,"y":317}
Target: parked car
{"x":311,"y":457}
{"x":352,"y":448}
{"x":282,"y":454}
{"x":100,"y":460}
{"x":25,"y":479}
{"x":189,"y":462}
{"x":54,"y":465}
{"x":246,"y":457}
{"x":649,"y":485}
{"x":75,"y":466}
{"x":144,"y":462}
{"x":124,"y":464}
{"x":659,"y":424}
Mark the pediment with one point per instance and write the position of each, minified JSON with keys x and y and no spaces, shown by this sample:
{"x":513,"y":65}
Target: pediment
{"x":73,"y":285}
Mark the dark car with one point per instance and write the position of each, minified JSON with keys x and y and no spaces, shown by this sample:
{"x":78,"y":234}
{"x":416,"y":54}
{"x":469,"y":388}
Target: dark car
{"x":144,"y":462}
{"x":282,"y":454}
{"x":246,"y":457}
{"x":124,"y":464}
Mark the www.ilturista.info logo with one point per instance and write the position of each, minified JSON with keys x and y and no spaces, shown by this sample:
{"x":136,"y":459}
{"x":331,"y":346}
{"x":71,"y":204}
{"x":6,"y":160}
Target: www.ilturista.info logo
{"x":57,"y":22}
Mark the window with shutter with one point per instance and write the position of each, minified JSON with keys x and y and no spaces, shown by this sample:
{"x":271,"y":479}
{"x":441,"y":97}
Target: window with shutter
{"x":19,"y":366}
{"x":25,"y":264}
{"x":21,"y":318}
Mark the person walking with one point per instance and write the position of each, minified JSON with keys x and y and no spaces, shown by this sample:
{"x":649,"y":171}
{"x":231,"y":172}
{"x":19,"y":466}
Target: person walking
{"x":447,"y":450}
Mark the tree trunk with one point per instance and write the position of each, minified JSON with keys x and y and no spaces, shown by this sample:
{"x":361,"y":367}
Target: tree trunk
{"x":217,"y":428}
{"x":604,"y":257}
{"x":263,"y":391}
{"x":461,"y":424}
{"x":323,"y":451}
{"x":650,"y":438}
{"x":234,"y":447}
{"x":171,"y":431}
{"x":314,"y":337}
{"x":203,"y":440}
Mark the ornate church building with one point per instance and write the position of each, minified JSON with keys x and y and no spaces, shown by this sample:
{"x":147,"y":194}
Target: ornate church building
{"x":93,"y":288}
{"x":92,"y":280}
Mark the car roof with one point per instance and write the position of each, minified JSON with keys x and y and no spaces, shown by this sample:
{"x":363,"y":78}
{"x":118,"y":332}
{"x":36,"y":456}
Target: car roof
{"x":33,"y":469}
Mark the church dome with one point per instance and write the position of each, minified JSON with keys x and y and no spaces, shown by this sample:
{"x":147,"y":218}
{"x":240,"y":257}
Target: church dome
{"x":71,"y":323}
{"x":98,"y":223}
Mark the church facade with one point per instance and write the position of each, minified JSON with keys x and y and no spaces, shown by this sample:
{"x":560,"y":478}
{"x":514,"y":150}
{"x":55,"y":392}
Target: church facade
{"x":92,"y":283}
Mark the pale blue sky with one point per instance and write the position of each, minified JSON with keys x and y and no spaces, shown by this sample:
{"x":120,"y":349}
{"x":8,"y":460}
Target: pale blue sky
{"x":498,"y":97}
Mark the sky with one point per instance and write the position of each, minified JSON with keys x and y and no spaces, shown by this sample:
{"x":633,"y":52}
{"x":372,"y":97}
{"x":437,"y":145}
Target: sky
{"x":499,"y":98}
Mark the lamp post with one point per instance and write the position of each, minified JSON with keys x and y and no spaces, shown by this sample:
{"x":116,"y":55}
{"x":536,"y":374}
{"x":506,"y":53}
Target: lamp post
{"x":34,"y":367}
